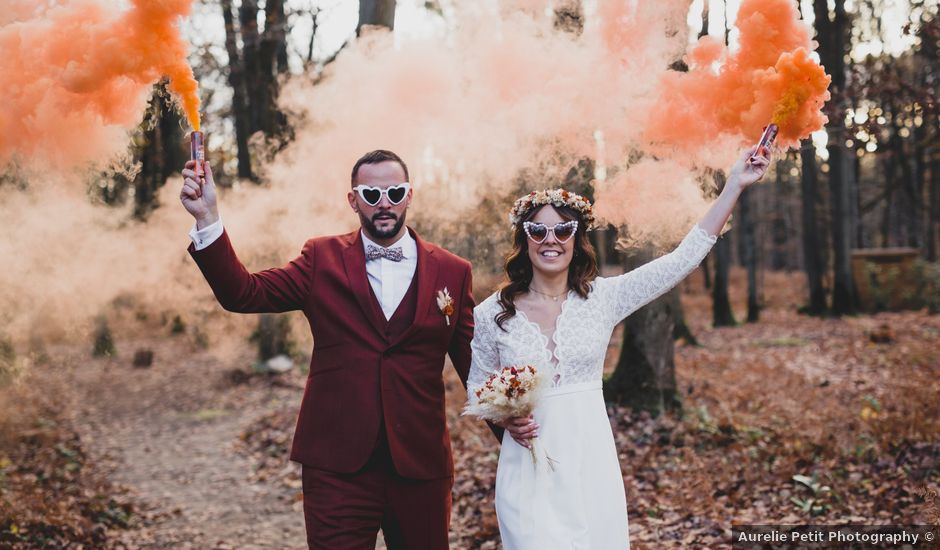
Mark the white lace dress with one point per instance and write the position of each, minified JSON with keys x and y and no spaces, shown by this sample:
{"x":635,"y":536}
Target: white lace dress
{"x":580,"y":504}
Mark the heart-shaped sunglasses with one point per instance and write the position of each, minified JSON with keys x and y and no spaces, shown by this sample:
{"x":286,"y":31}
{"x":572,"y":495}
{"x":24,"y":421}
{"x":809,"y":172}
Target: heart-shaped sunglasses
{"x":563,"y":231}
{"x":373,"y":195}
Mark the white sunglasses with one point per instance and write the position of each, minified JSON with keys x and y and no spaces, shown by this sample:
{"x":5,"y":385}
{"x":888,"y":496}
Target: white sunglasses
{"x":562,"y":231}
{"x":373,"y":195}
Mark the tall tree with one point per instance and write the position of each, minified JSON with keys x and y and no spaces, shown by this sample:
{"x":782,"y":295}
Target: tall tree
{"x":747,"y":232}
{"x":236,"y":79}
{"x":645,"y":377}
{"x":722,"y":315}
{"x":161,"y":151}
{"x":376,"y":12}
{"x":251,"y":42}
{"x":721,"y":305}
{"x":273,"y":43}
{"x":812,"y":246}
{"x":933,"y":220}
{"x":832,"y":33}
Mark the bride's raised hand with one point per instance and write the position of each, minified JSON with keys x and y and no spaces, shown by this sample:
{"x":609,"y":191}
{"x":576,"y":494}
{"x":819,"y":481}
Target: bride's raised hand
{"x":750,"y":167}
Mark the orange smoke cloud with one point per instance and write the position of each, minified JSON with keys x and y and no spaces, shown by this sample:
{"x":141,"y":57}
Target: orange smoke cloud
{"x":76,"y":75}
{"x":771,"y":78}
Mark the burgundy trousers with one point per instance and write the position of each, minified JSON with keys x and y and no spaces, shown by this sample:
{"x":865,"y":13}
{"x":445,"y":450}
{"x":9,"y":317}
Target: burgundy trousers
{"x":346,"y":511}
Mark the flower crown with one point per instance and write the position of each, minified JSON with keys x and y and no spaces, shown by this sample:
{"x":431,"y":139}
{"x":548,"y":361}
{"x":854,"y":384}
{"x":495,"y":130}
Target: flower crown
{"x":554,"y":197}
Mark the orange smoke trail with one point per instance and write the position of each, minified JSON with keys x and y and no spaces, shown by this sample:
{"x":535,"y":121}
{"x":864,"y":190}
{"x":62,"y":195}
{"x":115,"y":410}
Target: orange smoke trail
{"x":771,"y":78}
{"x":77,"y":74}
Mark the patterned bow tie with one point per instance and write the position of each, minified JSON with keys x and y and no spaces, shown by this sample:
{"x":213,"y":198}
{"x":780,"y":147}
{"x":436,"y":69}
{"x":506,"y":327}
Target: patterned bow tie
{"x":376,"y":252}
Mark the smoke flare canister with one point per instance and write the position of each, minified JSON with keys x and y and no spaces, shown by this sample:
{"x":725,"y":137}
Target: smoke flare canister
{"x":197,"y":152}
{"x":766,"y":139}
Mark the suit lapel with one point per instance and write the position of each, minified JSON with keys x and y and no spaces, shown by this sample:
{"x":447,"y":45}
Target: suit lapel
{"x":427,"y":278}
{"x":354,"y":260}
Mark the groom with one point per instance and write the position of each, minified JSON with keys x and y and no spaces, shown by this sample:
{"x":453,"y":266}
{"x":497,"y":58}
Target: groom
{"x":372,"y":433}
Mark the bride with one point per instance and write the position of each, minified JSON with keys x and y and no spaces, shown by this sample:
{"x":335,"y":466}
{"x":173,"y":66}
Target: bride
{"x":555,"y":313}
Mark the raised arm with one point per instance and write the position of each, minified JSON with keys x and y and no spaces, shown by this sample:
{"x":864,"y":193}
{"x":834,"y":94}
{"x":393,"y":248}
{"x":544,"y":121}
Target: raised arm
{"x":625,"y":294}
{"x":743,"y":174}
{"x":269,"y":291}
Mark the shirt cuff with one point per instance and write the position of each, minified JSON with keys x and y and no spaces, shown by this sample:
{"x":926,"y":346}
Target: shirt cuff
{"x":205,"y":236}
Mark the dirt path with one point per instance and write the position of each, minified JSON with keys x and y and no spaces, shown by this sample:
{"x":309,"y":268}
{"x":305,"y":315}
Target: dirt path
{"x":169,"y":433}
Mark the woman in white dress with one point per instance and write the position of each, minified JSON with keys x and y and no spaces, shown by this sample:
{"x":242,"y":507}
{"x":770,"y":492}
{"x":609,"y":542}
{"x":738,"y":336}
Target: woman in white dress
{"x":554,"y":313}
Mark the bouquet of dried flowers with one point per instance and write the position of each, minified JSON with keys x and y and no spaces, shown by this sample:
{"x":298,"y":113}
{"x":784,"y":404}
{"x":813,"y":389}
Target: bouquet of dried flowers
{"x":509,"y":393}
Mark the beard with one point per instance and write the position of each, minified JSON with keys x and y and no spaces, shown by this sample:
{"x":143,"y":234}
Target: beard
{"x":369,"y":225}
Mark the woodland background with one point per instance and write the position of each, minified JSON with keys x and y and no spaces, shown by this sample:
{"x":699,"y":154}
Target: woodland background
{"x":792,"y":379}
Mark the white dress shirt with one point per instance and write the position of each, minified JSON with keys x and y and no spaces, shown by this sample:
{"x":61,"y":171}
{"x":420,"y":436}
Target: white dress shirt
{"x":207,"y":235}
{"x":389,"y":280}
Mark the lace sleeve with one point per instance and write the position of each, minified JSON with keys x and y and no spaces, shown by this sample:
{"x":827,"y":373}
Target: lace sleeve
{"x":484,"y":360}
{"x":629,"y":292}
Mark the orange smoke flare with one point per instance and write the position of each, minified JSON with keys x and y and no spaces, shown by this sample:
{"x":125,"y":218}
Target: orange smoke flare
{"x":771,"y":78}
{"x":77,"y":75}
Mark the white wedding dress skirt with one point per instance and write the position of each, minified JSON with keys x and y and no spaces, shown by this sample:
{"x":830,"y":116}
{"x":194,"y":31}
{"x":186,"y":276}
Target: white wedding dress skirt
{"x":581,"y":504}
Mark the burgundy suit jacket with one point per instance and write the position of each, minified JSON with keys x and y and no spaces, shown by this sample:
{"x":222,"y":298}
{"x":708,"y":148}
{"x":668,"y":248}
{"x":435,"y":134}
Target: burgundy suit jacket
{"x":358,"y":376}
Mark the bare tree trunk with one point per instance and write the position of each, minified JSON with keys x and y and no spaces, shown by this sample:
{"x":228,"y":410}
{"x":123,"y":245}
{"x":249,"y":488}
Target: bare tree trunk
{"x":833,"y":38}
{"x":273,"y":336}
{"x":270,"y":120}
{"x":251,"y":42}
{"x":315,"y":16}
{"x":908,"y":202}
{"x":780,"y":244}
{"x":161,"y":153}
{"x":645,"y":376}
{"x":376,"y":12}
{"x":918,"y":169}
{"x":722,"y":315}
{"x":236,"y":79}
{"x":704,"y":30}
{"x":812,"y":246}
{"x":887,"y":165}
{"x":933,"y":218}
{"x":680,"y":330}
{"x":749,"y":245}
{"x":282,"y":63}
{"x":707,"y":278}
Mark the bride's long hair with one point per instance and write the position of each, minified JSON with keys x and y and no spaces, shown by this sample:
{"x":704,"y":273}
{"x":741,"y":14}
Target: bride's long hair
{"x":581,"y":271}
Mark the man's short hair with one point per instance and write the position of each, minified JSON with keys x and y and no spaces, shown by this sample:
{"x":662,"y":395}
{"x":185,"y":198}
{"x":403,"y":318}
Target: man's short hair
{"x":375,"y":157}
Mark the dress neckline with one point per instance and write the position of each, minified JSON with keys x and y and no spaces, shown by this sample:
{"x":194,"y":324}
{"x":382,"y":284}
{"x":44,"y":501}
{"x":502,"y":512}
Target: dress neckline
{"x":552,"y":353}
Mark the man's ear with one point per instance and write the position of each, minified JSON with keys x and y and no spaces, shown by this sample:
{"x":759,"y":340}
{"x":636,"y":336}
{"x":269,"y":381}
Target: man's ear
{"x":351,"y":197}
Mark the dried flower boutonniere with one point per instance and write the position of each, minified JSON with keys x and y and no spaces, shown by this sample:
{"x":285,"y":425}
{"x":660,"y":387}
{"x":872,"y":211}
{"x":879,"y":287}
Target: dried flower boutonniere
{"x":446,"y":303}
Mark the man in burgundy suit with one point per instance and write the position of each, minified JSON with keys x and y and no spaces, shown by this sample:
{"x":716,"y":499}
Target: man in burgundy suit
{"x":372,"y":434}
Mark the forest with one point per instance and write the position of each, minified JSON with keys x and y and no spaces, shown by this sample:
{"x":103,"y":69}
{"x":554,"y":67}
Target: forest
{"x":792,"y":379}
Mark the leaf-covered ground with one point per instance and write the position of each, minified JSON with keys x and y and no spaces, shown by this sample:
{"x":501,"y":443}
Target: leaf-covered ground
{"x":793,"y":419}
{"x":51,"y":494}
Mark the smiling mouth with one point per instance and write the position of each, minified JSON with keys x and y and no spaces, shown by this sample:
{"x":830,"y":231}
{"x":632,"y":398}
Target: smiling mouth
{"x":550,"y":254}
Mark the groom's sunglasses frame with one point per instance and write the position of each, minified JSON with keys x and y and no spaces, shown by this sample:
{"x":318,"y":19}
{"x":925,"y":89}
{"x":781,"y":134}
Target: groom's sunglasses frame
{"x":373,"y":195}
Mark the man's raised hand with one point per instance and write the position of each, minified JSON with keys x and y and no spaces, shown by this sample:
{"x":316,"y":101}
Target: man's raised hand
{"x":198,"y":195}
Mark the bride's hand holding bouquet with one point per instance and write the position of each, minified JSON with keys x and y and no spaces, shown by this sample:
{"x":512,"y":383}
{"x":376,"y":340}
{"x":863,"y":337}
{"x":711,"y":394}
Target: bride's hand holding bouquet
{"x":507,"y":399}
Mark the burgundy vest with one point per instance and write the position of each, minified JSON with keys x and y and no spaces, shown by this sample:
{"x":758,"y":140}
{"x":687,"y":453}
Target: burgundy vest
{"x":394,"y":327}
{"x":404,"y":316}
